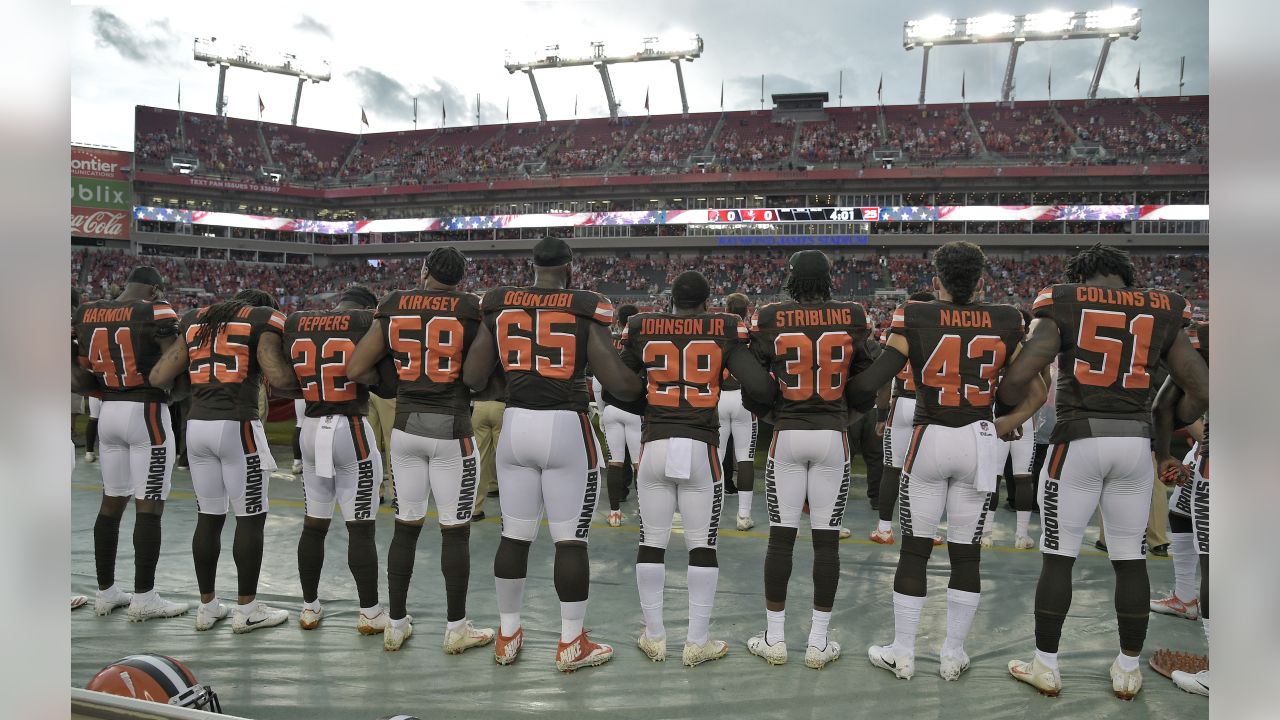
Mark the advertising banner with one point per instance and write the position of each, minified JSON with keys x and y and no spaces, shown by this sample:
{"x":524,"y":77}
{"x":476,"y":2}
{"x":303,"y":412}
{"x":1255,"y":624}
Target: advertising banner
{"x":101,"y":196}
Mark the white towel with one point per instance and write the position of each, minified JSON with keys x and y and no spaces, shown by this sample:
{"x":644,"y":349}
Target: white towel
{"x":324,"y":445}
{"x":988,"y":448}
{"x":679,"y":458}
{"x":264,"y":450}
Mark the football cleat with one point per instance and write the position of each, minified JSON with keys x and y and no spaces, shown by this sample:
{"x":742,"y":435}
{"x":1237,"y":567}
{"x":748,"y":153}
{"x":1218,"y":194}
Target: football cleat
{"x":205,"y":617}
{"x":745,"y":522}
{"x":845,"y":533}
{"x":882,"y":537}
{"x":818,"y":659}
{"x":775,"y":654}
{"x":469,"y":636}
{"x":937,"y":540}
{"x":375,"y":625}
{"x":615,"y":518}
{"x":393,"y":636}
{"x":1197,"y":683}
{"x":110,"y":599}
{"x":581,"y":652}
{"x":90,"y":456}
{"x":1125,"y":683}
{"x":1046,"y":680}
{"x":654,"y":648}
{"x":953,"y":665}
{"x":261,"y":617}
{"x":152,"y":605}
{"x":297,"y":467}
{"x":1173,"y":605}
{"x":986,"y":541}
{"x":507,"y":648}
{"x":78,"y":600}
{"x":698,"y":654}
{"x":309,"y":619}
{"x":1024,"y":542}
{"x":884,"y":656}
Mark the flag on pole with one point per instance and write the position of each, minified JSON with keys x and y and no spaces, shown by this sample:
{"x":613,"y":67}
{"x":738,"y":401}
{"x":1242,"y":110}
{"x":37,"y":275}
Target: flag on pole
{"x":880,"y":90}
{"x":444,"y":115}
{"x":646,"y":98}
{"x":1050,"y":82}
{"x":962,"y":78}
{"x":1182,"y":72}
{"x":415,"y":113}
{"x":364,"y":119}
{"x":575,"y":105}
{"x":180,"y":92}
{"x":721,"y":94}
{"x":261,"y":107}
{"x":840,"y":93}
{"x":508,"y":109}
{"x":1137,"y":81}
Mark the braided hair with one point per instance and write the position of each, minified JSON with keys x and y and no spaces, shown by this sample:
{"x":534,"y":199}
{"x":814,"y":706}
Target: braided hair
{"x":808,"y":289}
{"x":1100,"y":260}
{"x":219,"y":314}
{"x":960,"y":266}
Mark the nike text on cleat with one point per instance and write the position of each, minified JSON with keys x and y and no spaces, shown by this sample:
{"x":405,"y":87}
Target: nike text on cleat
{"x":393,"y":637}
{"x":1125,"y":683}
{"x":776,"y":653}
{"x":310,"y":619}
{"x":154,"y":606}
{"x":698,"y":654}
{"x":261,"y":617}
{"x":1046,"y":680}
{"x":884,"y":656}
{"x":1024,"y":542}
{"x":1173,"y":605}
{"x":375,"y":625}
{"x":581,"y":652}
{"x":507,"y":647}
{"x":205,"y":617}
{"x":110,"y":599}
{"x":1197,"y":683}
{"x":615,"y":518}
{"x":745,"y":522}
{"x":953,"y":665}
{"x":654,"y":648}
{"x":818,"y":659}
{"x":468,"y":636}
{"x":882,"y":537}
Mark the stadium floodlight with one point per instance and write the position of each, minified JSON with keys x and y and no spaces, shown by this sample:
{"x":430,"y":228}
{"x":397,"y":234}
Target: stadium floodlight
{"x":600,"y":60}
{"x":1109,"y":24}
{"x":224,"y":55}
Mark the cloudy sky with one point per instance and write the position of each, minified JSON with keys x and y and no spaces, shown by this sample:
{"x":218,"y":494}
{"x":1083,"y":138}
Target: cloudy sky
{"x":382,"y":56}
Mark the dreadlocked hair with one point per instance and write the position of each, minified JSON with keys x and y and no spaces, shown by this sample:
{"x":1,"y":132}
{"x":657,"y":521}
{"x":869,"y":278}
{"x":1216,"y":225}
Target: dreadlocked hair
{"x":737,"y":303}
{"x":1100,"y":260}
{"x":960,"y":266}
{"x":808,"y":289}
{"x":219,"y":314}
{"x":625,"y":312}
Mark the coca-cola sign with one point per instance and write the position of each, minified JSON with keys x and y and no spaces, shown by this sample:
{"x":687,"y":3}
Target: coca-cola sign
{"x":109,"y":224}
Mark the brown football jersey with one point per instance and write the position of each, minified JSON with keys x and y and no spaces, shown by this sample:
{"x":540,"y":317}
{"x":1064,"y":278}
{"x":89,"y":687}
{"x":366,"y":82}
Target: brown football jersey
{"x":224,"y":371}
{"x":956,"y":353}
{"x":1112,"y":338}
{"x":117,"y":342}
{"x":319,"y":344}
{"x":1199,"y":336}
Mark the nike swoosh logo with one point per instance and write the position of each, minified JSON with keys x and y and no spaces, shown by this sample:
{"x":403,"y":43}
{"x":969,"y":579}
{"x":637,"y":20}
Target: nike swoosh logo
{"x":251,"y":623}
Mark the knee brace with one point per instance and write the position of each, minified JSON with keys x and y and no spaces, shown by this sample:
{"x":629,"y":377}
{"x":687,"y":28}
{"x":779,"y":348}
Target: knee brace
{"x":404,"y":548}
{"x":146,"y":550}
{"x":247,"y":551}
{"x":455,"y":564}
{"x":311,"y":559}
{"x":889,"y":492}
{"x":362,"y":559}
{"x":826,"y":567}
{"x":703,"y":557}
{"x":1180,"y":524}
{"x":1133,"y":602}
{"x":652,"y":555}
{"x":965,"y":560}
{"x":909,"y":578}
{"x":777,"y":563}
{"x":206,"y":546}
{"x":1024,"y":493}
{"x":106,"y":536}
{"x":511,"y":562}
{"x":1053,"y":600}
{"x":572,"y":572}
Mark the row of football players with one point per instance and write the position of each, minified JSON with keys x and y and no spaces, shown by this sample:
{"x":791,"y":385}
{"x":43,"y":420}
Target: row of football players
{"x":805,"y":364}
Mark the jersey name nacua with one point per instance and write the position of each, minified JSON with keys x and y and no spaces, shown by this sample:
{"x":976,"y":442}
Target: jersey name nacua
{"x":1111,"y":341}
{"x":319,"y":344}
{"x":118,"y":342}
{"x":224,"y":371}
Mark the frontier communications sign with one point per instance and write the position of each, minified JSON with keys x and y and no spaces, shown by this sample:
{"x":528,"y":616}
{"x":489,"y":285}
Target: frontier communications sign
{"x":101,"y":197}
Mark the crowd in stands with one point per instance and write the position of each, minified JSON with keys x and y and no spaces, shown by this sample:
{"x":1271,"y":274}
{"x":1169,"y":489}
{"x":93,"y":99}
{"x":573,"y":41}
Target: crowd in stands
{"x":666,"y":148}
{"x":1015,"y":133}
{"x":828,"y":143}
{"x":934,"y":135}
{"x":751,"y":146}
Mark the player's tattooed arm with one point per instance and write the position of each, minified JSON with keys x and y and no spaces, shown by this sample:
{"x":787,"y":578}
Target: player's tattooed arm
{"x":756,"y":381}
{"x":170,"y":365}
{"x":621,"y":381}
{"x":1189,"y":370}
{"x":279,"y":373}
{"x":372,"y":347}
{"x":866,"y":384}
{"x":1037,"y":351}
{"x":481,"y":362}
{"x":1168,"y":468}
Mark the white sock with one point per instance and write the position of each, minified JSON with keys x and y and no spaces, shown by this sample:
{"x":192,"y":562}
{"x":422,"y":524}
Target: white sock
{"x":1128,"y":663}
{"x":884,"y":525}
{"x":248,"y":607}
{"x":510,"y":600}
{"x":572,"y":615}
{"x":141,"y":598}
{"x":651,"y":579}
{"x":906,"y":619}
{"x":212,"y":605}
{"x":1024,"y":523}
{"x":312,"y":606}
{"x":961,"y":607}
{"x":456,"y":625}
{"x":372,"y":611}
{"x":1049,"y":660}
{"x":702,"y":597}
{"x":115,"y":588}
{"x":1204,"y":621}
{"x":777,"y":624}
{"x":744,"y":503}
{"x":818,"y":631}
{"x":1182,"y":546}
{"x":397,"y":624}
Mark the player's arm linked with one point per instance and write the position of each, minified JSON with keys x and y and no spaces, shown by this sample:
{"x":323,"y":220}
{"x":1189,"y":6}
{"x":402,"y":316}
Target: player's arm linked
{"x":1191,"y":373}
{"x":864,"y":386}
{"x":619,"y":380}
{"x":1024,"y":373}
{"x":171,"y":364}
{"x":757,"y":383}
{"x":1169,"y":469}
{"x":362,"y":367}
{"x":1009,"y":424}
{"x":481,"y":362}
{"x":284,"y":383}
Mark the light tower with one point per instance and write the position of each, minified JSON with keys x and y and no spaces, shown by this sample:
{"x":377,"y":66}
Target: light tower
{"x":224,"y":56}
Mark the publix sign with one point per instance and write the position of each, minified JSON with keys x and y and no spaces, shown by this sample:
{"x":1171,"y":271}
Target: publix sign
{"x":101,"y":195}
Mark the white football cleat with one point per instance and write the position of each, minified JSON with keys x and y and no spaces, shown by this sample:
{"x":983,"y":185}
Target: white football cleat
{"x":309,"y":619}
{"x":396,"y":633}
{"x":78,"y":600}
{"x":375,"y":625}
{"x":150,"y":605}
{"x":1046,"y":680}
{"x":884,"y":656}
{"x":110,"y":599}
{"x":1125,"y":683}
{"x":818,"y":659}
{"x":745,"y":522}
{"x":698,"y":654}
{"x":1024,"y":542}
{"x":469,"y":636}
{"x":1175,"y":606}
{"x":953,"y":665}
{"x":845,"y":533}
{"x":654,"y":648}
{"x":90,"y":456}
{"x":1197,"y":683}
{"x":580,"y":653}
{"x":615,"y":518}
{"x":297,"y":467}
{"x":776,"y":653}
{"x":261,"y":617}
{"x":205,"y":618}
{"x":987,"y":541}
